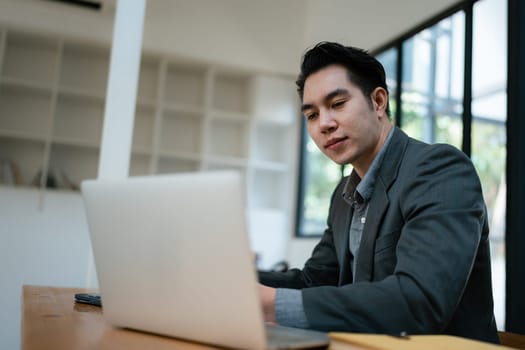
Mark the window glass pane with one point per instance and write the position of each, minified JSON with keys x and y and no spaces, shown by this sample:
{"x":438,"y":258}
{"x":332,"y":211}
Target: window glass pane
{"x":388,"y":59}
{"x":449,"y":129}
{"x":320,"y":176}
{"x":415,"y":115}
{"x":432,"y":97}
{"x":414,"y":96}
{"x":489,"y":107}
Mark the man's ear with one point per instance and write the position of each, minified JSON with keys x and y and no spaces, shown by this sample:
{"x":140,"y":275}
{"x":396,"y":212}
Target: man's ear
{"x":379,"y":100}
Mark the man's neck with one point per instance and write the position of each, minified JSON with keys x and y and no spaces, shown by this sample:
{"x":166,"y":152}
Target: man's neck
{"x":361,"y":169}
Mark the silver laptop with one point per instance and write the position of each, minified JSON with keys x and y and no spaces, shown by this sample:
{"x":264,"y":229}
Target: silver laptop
{"x":172,"y":257}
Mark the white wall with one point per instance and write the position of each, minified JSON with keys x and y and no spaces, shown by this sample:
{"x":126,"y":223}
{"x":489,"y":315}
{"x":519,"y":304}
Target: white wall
{"x":47,"y":246}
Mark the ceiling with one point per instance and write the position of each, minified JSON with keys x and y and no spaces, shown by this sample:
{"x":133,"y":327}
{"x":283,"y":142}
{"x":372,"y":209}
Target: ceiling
{"x":272,"y":34}
{"x":367,"y":24}
{"x":364,"y":23}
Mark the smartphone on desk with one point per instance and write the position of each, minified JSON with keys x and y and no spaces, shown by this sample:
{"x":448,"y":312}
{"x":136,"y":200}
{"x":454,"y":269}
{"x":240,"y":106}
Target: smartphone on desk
{"x":88,"y":298}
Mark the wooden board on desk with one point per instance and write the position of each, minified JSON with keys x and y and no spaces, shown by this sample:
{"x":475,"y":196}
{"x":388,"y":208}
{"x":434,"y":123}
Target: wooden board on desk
{"x":357,"y":341}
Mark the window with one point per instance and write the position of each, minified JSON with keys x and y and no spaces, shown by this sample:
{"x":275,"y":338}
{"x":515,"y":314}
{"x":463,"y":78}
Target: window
{"x":388,"y":59}
{"x":431,"y":84}
{"x":319,"y":176}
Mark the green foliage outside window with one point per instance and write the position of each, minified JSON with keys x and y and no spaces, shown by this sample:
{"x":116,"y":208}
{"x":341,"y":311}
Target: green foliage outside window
{"x":321,"y":177}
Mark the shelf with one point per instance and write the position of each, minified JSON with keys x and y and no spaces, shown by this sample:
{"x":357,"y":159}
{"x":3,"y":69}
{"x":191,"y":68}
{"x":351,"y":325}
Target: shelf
{"x":3,"y":35}
{"x":23,"y":135}
{"x":141,"y":151}
{"x":27,"y":154}
{"x":228,"y":138}
{"x":84,"y":67}
{"x":231,"y":93}
{"x":28,"y":85}
{"x":189,"y":116}
{"x":277,"y":101}
{"x":226,"y":164}
{"x":171,"y":154}
{"x":146,"y":102}
{"x":139,"y":165}
{"x":79,"y":119}
{"x":173,"y":165}
{"x":229,"y":116}
{"x":148,"y":79}
{"x":183,"y":108}
{"x":82,"y":93}
{"x":30,"y":57}
{"x":73,"y":141}
{"x":272,"y":143}
{"x":76,"y":162}
{"x":24,"y":111}
{"x":181,"y":132}
{"x":143,"y":128}
{"x":215,"y":162}
{"x":184,"y":85}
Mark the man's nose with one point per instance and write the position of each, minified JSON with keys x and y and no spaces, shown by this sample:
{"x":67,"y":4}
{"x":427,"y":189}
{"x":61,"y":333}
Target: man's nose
{"x":327,"y":121}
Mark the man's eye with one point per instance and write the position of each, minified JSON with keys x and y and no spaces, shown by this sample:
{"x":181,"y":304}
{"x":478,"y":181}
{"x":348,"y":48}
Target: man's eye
{"x":338,"y":104}
{"x":311,"y":116}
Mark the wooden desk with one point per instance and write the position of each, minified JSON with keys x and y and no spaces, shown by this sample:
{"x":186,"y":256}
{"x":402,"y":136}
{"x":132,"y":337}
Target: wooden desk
{"x":52,"y":320}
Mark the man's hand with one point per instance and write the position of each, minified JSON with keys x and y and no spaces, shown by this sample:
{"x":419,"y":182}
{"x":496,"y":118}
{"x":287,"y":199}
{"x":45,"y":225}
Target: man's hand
{"x":267,"y":295}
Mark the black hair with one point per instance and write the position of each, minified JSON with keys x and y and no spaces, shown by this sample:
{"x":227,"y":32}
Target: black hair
{"x":364,"y":70}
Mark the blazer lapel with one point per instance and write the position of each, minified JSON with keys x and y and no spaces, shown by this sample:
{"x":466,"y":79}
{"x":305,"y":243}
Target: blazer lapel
{"x":365,"y":261}
{"x":378,"y":204}
{"x":345,"y":274}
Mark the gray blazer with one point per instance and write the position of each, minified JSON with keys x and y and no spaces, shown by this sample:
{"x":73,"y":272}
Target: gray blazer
{"x":424,"y":261}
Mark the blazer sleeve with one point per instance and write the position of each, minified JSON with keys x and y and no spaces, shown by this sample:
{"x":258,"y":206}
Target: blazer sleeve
{"x":439,"y":200}
{"x":322,"y":268}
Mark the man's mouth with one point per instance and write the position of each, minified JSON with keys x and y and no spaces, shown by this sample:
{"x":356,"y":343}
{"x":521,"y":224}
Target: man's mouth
{"x":334,"y":142}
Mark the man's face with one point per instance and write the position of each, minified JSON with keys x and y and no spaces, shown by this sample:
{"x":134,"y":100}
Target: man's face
{"x":340,"y":119}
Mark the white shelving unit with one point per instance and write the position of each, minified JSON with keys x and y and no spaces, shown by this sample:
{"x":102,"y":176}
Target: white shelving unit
{"x":189,"y":117}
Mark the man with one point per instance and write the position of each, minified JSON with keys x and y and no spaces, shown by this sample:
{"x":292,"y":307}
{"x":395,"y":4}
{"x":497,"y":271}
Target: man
{"x":406,"y":245}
